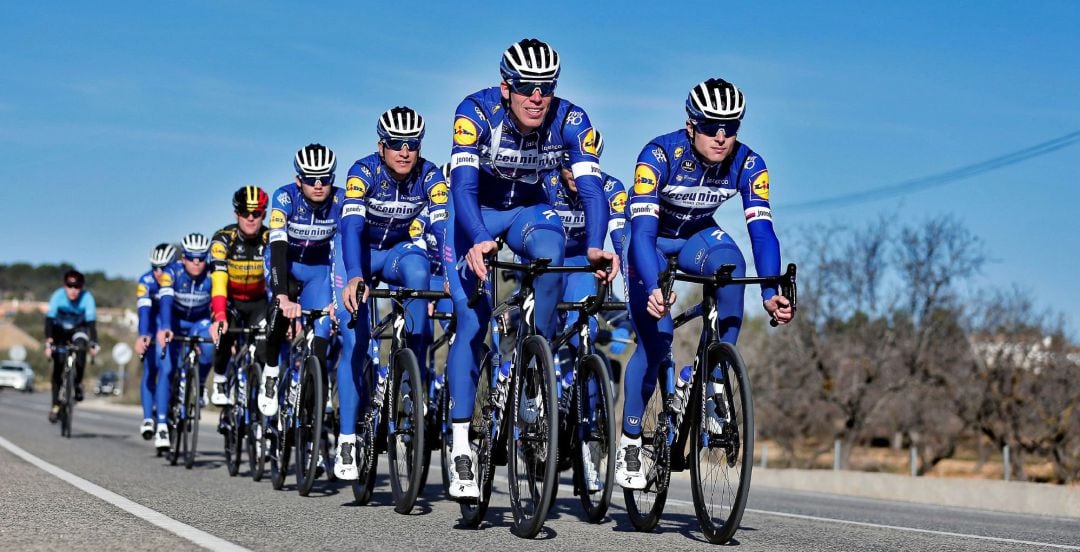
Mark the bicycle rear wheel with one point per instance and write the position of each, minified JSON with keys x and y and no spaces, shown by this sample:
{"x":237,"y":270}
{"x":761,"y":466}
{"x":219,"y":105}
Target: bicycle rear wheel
{"x":193,"y":411}
{"x":232,"y":416}
{"x":646,"y":505}
{"x":177,"y":421}
{"x":255,"y":421}
{"x":534,"y":437}
{"x":722,"y":458}
{"x":405,"y":432}
{"x":594,"y":458}
{"x":367,"y":457}
{"x":309,"y":417}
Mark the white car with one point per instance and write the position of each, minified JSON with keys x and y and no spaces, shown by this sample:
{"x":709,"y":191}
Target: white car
{"x":17,"y":375}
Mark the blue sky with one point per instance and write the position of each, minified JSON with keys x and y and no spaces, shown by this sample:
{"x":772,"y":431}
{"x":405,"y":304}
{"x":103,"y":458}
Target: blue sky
{"x":123,"y":124}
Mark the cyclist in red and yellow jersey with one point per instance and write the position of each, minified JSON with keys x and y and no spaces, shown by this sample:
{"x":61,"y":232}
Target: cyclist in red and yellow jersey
{"x":238,"y":292}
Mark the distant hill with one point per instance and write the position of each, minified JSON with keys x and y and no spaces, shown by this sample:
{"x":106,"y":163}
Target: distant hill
{"x":26,"y":282}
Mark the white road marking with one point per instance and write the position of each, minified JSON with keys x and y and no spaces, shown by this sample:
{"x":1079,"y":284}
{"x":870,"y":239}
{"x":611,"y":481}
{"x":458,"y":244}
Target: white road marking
{"x":199,"y":537}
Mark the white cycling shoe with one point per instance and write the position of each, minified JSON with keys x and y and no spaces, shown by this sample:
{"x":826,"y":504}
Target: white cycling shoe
{"x":147,"y":429}
{"x":161,"y":437}
{"x":268,"y":403}
{"x":345,"y":459}
{"x":628,"y":473}
{"x":463,"y":477}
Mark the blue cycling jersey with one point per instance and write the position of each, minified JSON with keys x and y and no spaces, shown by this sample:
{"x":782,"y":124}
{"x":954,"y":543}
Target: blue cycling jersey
{"x":571,"y":210}
{"x":191,"y":296}
{"x":379,"y":212}
{"x":676,"y":194}
{"x":308,"y":229}
{"x":69,"y":314}
{"x":496,"y":165}
{"x":153,"y":294}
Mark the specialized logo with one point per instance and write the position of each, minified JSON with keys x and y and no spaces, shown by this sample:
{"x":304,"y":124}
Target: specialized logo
{"x":277,"y":219}
{"x":465,"y":133}
{"x":760,"y":187}
{"x":618,"y":203}
{"x":587,"y":140}
{"x":439,"y":194}
{"x":416,"y":229}
{"x":678,"y":152}
{"x":218,"y":251}
{"x":355,"y":187}
{"x":644,"y":179}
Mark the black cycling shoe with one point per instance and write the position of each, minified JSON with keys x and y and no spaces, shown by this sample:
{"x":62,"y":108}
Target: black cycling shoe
{"x":54,"y":414}
{"x":78,"y":393}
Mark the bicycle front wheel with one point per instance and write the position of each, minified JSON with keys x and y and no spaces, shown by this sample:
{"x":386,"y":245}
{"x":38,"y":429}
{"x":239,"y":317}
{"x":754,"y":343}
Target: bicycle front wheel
{"x":722,"y":453}
{"x":405,"y":430}
{"x":309,"y":417}
{"x":594,"y":458}
{"x":533,"y":438}
{"x":193,"y":411}
{"x":67,"y":409}
{"x":484,"y":434}
{"x":367,"y":457}
{"x":256,"y":423}
{"x":232,"y":417}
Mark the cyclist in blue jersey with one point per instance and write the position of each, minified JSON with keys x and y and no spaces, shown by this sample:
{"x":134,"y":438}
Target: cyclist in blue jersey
{"x":680,"y":180}
{"x":385,"y":195}
{"x":505,"y":139}
{"x":72,"y":316}
{"x":189,"y":315}
{"x":303,"y":220}
{"x":153,"y":294}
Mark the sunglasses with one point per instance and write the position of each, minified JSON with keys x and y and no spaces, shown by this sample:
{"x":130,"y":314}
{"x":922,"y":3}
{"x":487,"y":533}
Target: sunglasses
{"x":396,"y":144}
{"x":195,"y":259}
{"x":729,"y":128}
{"x":327,"y":180}
{"x":526,"y":88}
{"x":257,"y":213}
{"x":73,"y":285}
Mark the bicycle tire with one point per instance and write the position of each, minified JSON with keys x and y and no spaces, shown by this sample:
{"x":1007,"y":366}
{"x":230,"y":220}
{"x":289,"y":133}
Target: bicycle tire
{"x":367,"y":430}
{"x":594,"y":431}
{"x":280,"y":425}
{"x":194,"y":410}
{"x":532,"y":468}
{"x":67,"y":409}
{"x":405,"y":430}
{"x":176,"y":422}
{"x":256,"y":423}
{"x":308,"y":426}
{"x":645,"y":506}
{"x":726,"y":458}
{"x":483,"y":436}
{"x":232,"y":415}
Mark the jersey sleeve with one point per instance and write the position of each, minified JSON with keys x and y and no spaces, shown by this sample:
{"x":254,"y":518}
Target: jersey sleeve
{"x":470,"y":130}
{"x":616,"y":199}
{"x":353,"y":218}
{"x":436,"y":210}
{"x":144,"y":301}
{"x":89,"y":305}
{"x":54,"y":303}
{"x":281,"y":205}
{"x":219,"y":273}
{"x":583,"y":149}
{"x":754,"y":188}
{"x":644,"y":205}
{"x":165,"y":298}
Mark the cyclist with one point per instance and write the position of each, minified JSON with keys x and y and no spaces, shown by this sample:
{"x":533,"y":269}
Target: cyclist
{"x":381,"y":237}
{"x":72,"y":317}
{"x":505,"y":139}
{"x":190,"y":315}
{"x":238,"y":285}
{"x":153,"y":294}
{"x":303,"y":220}
{"x":681,"y":178}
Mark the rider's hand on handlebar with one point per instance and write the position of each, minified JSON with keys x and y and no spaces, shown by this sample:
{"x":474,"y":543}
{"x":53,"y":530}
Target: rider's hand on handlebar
{"x":142,"y":344}
{"x":475,"y":257}
{"x":48,"y":348}
{"x":163,"y":337}
{"x":218,"y":328}
{"x":779,"y":308}
{"x":598,"y":258}
{"x":348,"y":294}
{"x":289,"y":309}
{"x":94,"y":349}
{"x":656,"y":305}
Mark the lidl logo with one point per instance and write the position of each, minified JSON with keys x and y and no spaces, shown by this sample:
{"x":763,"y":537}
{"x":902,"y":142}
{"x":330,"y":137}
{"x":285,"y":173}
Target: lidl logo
{"x":218,"y":251}
{"x":440,"y":193}
{"x":760,"y":187}
{"x":464,"y":132}
{"x":618,"y":203}
{"x":141,"y":291}
{"x":277,"y":219}
{"x":644,"y":179}
{"x":678,"y":152}
{"x":416,"y":228}
{"x":588,"y":142}
{"x":355,"y":187}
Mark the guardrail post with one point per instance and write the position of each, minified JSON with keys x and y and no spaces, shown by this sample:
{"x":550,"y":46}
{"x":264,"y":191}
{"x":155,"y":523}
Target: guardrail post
{"x":1005,"y":458}
{"x":914,"y":461}
{"x":836,"y":455}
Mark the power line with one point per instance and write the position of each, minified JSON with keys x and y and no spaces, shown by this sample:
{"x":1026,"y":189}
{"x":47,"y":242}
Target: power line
{"x":940,"y":179}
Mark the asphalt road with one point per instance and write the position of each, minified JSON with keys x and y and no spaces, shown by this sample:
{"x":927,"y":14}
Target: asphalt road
{"x":45,"y":510}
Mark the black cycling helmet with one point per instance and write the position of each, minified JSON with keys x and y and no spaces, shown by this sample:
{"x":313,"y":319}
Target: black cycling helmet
{"x":74,"y":279}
